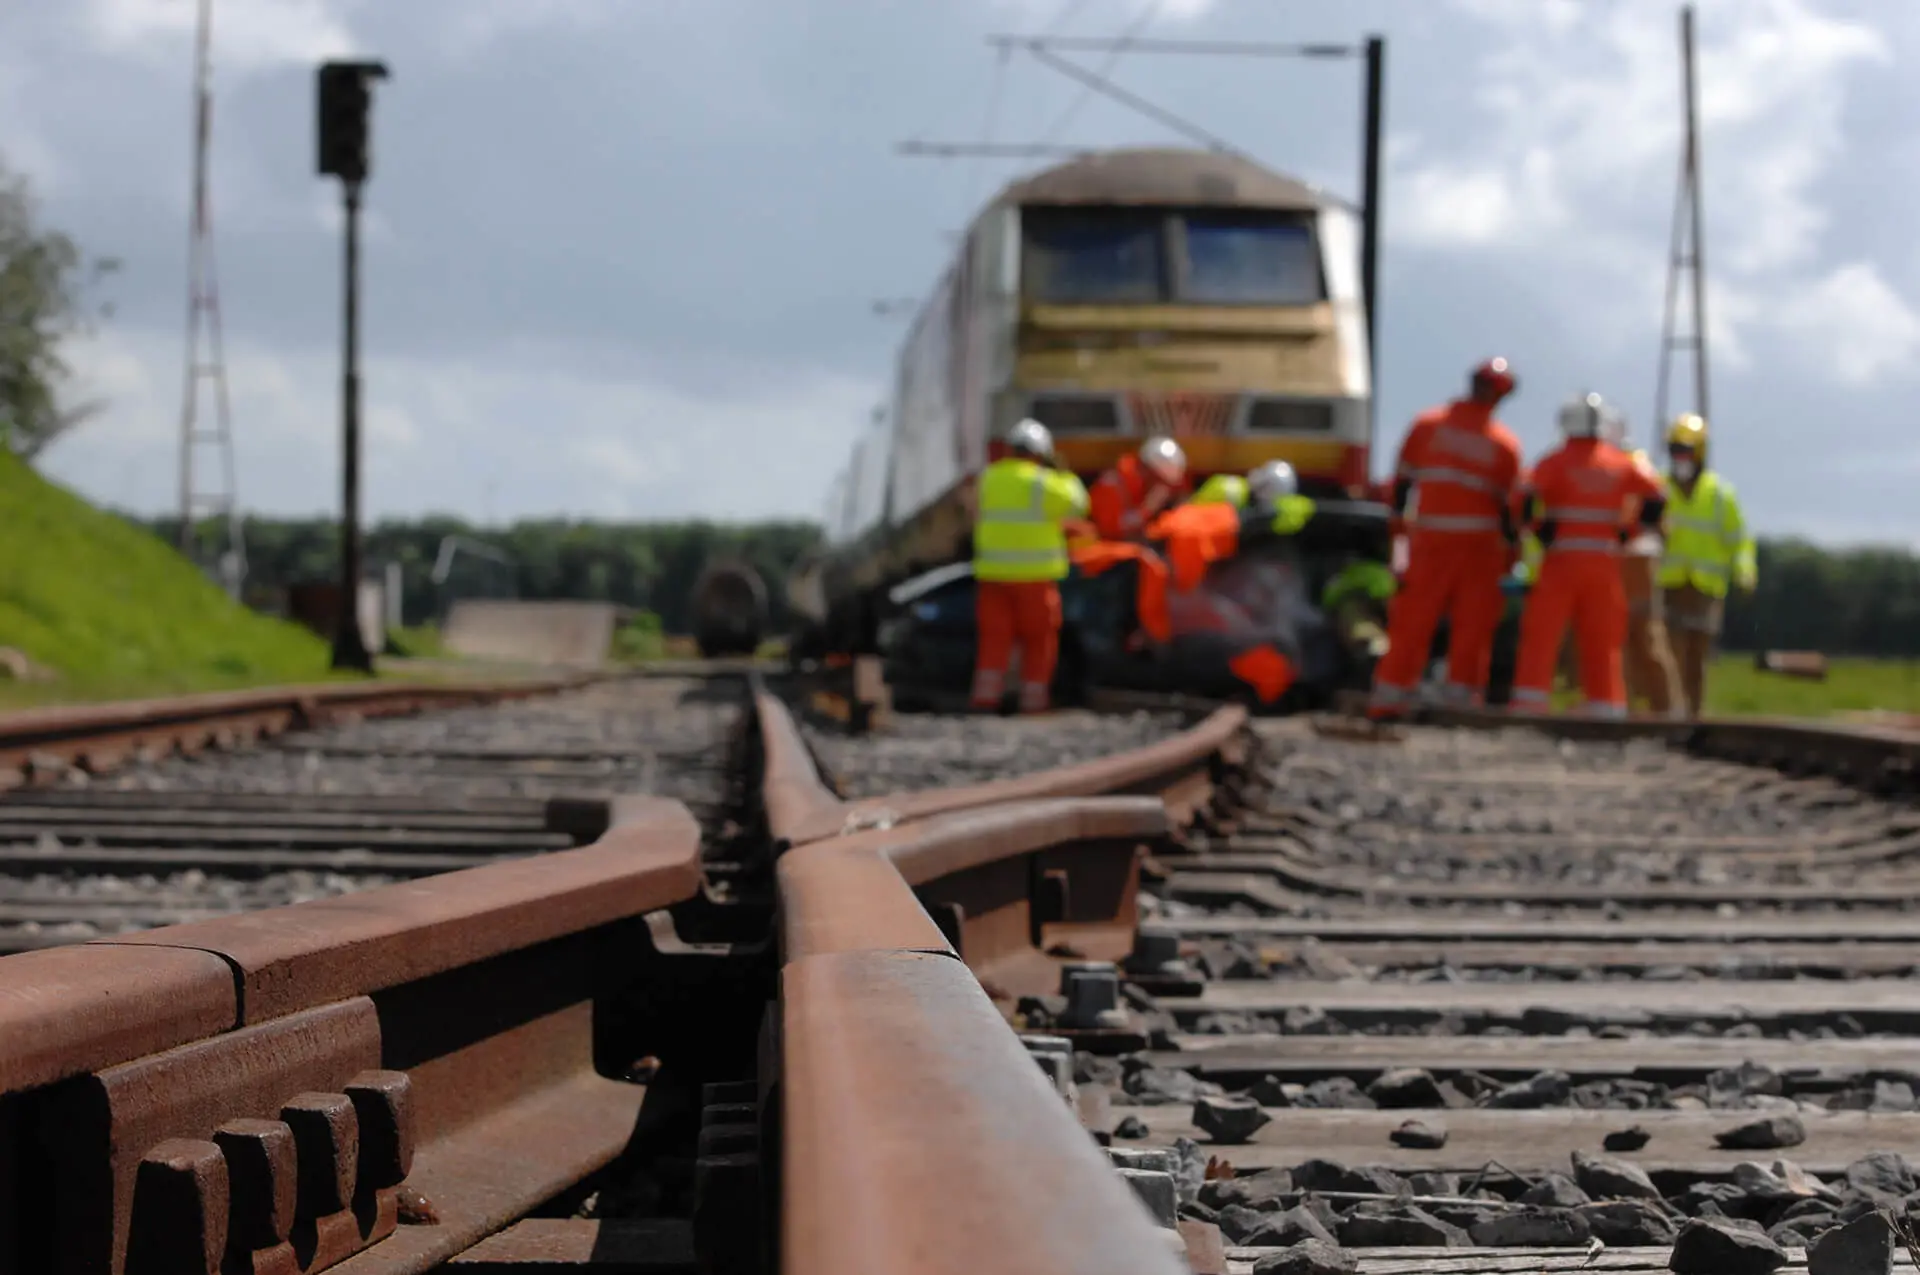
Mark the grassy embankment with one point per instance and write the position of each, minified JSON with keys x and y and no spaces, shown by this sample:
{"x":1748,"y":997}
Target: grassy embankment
{"x":1852,"y":687}
{"x":115,"y":613}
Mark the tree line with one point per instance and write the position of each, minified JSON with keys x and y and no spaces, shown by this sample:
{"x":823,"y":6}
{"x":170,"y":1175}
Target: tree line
{"x":651,"y":566}
{"x":1846,"y":601}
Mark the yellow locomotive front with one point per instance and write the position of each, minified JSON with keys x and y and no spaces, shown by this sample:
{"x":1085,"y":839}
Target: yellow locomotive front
{"x":1190,"y":294}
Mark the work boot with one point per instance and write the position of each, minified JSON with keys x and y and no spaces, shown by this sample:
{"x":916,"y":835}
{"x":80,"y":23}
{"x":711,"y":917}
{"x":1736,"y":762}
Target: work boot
{"x":1033,"y":697}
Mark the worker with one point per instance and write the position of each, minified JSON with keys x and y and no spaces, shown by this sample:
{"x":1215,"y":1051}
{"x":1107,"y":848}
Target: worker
{"x":1019,"y":559}
{"x":1576,"y":501}
{"x":1648,"y":658}
{"x":1456,"y":481}
{"x":1707,"y":548}
{"x":1138,"y":488}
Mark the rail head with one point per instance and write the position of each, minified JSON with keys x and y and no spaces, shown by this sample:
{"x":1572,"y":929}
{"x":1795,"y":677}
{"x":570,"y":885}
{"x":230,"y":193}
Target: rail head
{"x":801,"y":809}
{"x":920,"y":1138}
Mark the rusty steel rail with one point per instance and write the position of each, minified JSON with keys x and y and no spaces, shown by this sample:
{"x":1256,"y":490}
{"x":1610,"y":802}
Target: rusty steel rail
{"x":99,"y":737}
{"x":1875,"y":757}
{"x":917,"y":1133}
{"x":269,"y":1091}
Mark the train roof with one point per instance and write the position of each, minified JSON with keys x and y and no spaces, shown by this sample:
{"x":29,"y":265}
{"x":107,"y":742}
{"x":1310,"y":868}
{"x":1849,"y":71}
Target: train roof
{"x":1165,"y":177}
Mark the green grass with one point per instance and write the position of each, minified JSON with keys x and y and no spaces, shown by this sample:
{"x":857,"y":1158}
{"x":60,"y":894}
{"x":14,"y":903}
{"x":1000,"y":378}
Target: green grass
{"x":118,"y":613}
{"x":1736,"y":688}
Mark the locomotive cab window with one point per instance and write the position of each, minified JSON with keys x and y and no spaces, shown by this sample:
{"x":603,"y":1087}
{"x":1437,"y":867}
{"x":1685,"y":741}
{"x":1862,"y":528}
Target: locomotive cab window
{"x":1093,"y":256}
{"x":1240,"y":258}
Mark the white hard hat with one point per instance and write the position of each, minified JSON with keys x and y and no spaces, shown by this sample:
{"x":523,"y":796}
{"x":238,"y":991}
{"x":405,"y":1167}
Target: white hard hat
{"x":1583,"y":417}
{"x":1031,"y":437}
{"x":1272,"y":481}
{"x":1164,"y":459}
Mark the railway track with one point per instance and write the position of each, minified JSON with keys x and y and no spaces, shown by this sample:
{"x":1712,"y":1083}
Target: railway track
{"x":704,"y":1007}
{"x":330,"y":809}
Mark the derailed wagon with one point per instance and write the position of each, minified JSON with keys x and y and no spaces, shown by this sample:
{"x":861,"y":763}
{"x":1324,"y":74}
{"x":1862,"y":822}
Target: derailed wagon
{"x":1116,"y":297}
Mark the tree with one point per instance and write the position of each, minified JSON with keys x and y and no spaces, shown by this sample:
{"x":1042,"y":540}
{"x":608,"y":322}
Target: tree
{"x":45,"y":282}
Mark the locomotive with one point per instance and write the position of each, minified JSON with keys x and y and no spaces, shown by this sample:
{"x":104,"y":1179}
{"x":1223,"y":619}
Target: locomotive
{"x":1115,"y":297}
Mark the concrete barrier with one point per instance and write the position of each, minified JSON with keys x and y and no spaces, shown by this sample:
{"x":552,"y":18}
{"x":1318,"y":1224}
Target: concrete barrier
{"x":571,"y":634}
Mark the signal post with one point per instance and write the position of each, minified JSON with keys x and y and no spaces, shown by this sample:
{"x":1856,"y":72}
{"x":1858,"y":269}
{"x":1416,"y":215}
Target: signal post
{"x":345,"y":100}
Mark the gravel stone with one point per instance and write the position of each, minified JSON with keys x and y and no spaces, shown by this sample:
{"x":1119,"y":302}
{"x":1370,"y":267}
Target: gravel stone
{"x":1331,"y":1175}
{"x":919,"y":751}
{"x":1626,"y":1139}
{"x":1628,"y":1223}
{"x":1268,"y":1091}
{"x":1311,"y":1258}
{"x":1533,"y":1228}
{"x":1284,"y":1230}
{"x":1605,"y":1178}
{"x":1716,"y":1246}
{"x":1162,"y":1087}
{"x":1155,"y":1191}
{"x":1263,"y":1190}
{"x":1420,"y":1136}
{"x":1409,"y":1087}
{"x":1131,"y":1128}
{"x":1864,"y":1246}
{"x":1726,"y":1087}
{"x":1766,"y":1134}
{"x":1228,"y":1121}
{"x":1882,"y":1175}
{"x":1336,"y":1092}
{"x":1547,"y":1089}
{"x":1381,"y":1225}
{"x":1556,"y":1190}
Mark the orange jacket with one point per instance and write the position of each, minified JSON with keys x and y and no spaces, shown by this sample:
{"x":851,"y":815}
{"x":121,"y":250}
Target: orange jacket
{"x":1465,"y":469}
{"x":1585,"y":488}
{"x":1119,"y":497}
{"x":1196,"y":536}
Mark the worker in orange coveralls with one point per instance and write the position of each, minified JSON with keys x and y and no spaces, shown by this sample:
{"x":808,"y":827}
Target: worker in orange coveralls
{"x":1019,"y":559}
{"x":1576,"y":505}
{"x":1138,"y":488}
{"x":1457,"y":482}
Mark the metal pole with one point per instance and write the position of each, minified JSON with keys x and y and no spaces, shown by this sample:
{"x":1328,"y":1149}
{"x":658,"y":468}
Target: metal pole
{"x":349,"y":647}
{"x":196,"y":238}
{"x":1699,"y":239}
{"x":1370,"y":215}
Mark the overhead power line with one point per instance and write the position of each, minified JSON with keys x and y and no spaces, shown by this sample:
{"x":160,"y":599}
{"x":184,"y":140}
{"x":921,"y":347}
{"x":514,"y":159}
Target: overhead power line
{"x":1107,"y":88}
{"x":1117,"y":49}
{"x":1204,"y":48}
{"x":991,"y":150}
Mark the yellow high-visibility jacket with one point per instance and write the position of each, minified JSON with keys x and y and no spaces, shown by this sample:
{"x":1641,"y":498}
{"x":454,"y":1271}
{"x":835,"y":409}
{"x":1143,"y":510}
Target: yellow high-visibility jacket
{"x":1707,"y":541}
{"x":1017,"y":535}
{"x":1221,"y":489}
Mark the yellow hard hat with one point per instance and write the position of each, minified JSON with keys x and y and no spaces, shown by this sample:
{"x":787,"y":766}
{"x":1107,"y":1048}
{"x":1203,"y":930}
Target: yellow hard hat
{"x":1688,"y":430}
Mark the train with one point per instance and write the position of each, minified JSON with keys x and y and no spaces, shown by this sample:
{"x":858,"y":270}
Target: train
{"x":1113,"y":297}
{"x":729,"y":609}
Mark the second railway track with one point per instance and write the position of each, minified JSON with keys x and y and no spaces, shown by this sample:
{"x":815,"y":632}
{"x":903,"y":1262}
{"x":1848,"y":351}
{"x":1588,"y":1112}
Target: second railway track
{"x":615,"y":979}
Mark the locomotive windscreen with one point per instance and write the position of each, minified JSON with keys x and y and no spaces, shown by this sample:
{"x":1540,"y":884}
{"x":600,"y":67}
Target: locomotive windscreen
{"x":1133,"y":256}
{"x":1238,"y":258}
{"x":1093,"y":256}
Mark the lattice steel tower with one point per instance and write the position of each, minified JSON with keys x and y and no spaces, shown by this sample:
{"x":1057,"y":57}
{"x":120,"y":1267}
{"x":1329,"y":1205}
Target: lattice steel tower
{"x":223,"y":552}
{"x":1687,"y":254}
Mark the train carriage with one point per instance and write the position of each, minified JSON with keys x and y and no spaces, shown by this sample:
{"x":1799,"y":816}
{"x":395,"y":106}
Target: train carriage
{"x":1118,"y":296}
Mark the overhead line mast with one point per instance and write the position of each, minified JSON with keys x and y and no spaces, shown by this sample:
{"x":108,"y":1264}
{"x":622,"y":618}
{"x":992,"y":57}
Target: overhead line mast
{"x":206,"y":355}
{"x":1687,"y":254}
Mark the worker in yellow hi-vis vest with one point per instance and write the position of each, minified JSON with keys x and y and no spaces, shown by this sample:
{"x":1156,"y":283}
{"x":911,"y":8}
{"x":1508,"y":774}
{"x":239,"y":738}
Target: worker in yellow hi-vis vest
{"x":1019,"y":559}
{"x":1708,"y":549}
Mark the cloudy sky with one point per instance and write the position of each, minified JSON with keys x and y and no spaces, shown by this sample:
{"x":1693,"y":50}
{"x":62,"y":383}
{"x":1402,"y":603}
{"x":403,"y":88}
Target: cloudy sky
{"x":624,"y":254}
